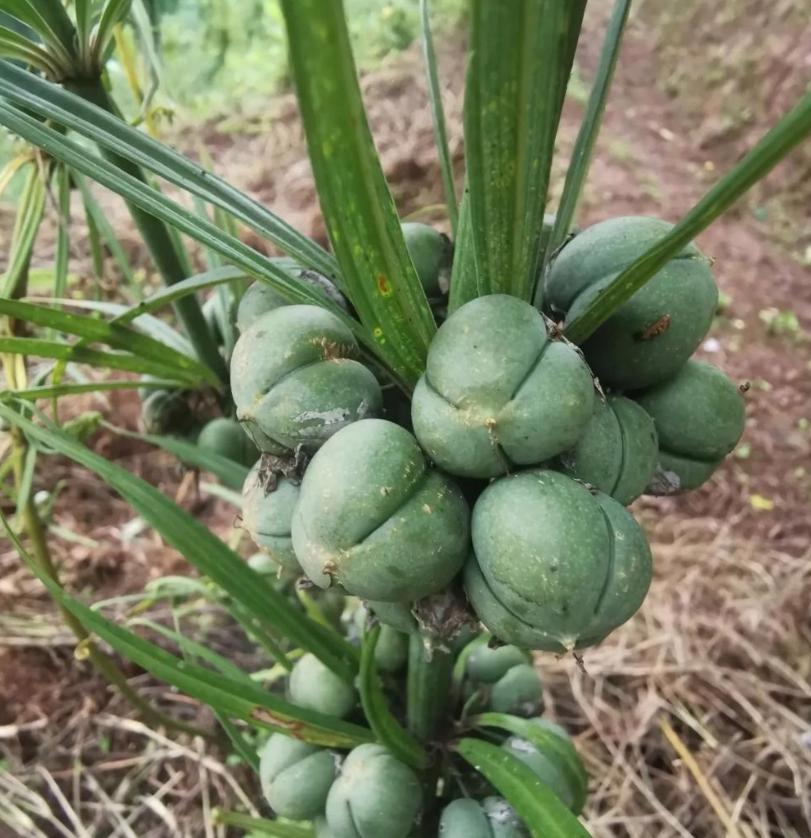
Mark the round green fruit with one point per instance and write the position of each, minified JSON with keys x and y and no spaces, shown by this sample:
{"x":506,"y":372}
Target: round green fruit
{"x":554,"y":567}
{"x":315,"y":687}
{"x":651,"y":335}
{"x":294,"y":380}
{"x":267,"y":515}
{"x":374,"y":518}
{"x":551,"y":768}
{"x":397,"y":615}
{"x":260,"y":298}
{"x":498,"y":391}
{"x":225,"y":437}
{"x":295,"y":777}
{"x":375,"y":795}
{"x":166,"y":412}
{"x":518,"y":692}
{"x":699,"y":417}
{"x":617,"y":452}
{"x":487,"y":665}
{"x":391,"y":651}
{"x":492,"y":818}
{"x":432,"y":255}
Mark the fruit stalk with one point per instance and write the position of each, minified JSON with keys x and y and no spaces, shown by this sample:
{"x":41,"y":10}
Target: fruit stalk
{"x":429,"y":685}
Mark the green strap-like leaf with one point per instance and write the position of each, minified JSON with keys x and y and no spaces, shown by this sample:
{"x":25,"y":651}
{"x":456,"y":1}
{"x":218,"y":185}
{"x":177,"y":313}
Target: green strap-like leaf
{"x":536,"y":804}
{"x":65,"y":108}
{"x":521,"y":53}
{"x":386,"y":728}
{"x":438,"y":116}
{"x":63,"y":234}
{"x":58,"y":390}
{"x":50,"y":21}
{"x":360,"y":215}
{"x":263,"y":826}
{"x":464,"y":276}
{"x":201,"y":548}
{"x":57,"y":351}
{"x":117,"y":336}
{"x":113,"y":13}
{"x":157,"y":204}
{"x":17,"y":47}
{"x":26,"y":226}
{"x":792,"y":129}
{"x":590,"y":127}
{"x":546,"y":742}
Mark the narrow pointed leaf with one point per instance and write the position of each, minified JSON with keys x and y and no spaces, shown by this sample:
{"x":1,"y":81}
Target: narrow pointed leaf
{"x":263,"y":826}
{"x":63,"y":235}
{"x":56,"y":391}
{"x":359,"y":211}
{"x":46,"y":99}
{"x":438,"y":116}
{"x":792,"y":129}
{"x":115,"y":335}
{"x":536,"y":804}
{"x":521,"y":54}
{"x":464,"y":276}
{"x":201,"y":548}
{"x":113,"y":13}
{"x":125,"y":362}
{"x":83,"y":10}
{"x":17,"y":47}
{"x":386,"y":728}
{"x":546,"y":742}
{"x":157,"y":204}
{"x":26,"y":227}
{"x":49,"y":20}
{"x":590,"y":127}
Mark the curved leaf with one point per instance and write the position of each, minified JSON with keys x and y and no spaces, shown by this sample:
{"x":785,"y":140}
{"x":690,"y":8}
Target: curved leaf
{"x":17,"y":47}
{"x":50,"y":21}
{"x":386,"y":728}
{"x":535,"y":803}
{"x":360,"y":215}
{"x":88,"y":120}
{"x":26,"y":225}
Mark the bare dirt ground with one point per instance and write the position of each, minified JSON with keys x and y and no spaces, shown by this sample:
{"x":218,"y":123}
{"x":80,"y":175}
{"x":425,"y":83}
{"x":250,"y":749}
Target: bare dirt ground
{"x":694,"y":718}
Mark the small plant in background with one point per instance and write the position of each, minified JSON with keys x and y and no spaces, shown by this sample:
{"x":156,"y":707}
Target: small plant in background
{"x":437,"y":439}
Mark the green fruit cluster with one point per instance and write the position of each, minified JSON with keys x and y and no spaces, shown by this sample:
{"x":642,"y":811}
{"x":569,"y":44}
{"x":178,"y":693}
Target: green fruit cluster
{"x":512,"y":474}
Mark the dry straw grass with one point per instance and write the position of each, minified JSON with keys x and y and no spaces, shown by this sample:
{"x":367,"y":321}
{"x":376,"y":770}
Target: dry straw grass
{"x":695,"y":716}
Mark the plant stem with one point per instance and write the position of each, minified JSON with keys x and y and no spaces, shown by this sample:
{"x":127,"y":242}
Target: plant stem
{"x":429,"y":685}
{"x":159,"y":243}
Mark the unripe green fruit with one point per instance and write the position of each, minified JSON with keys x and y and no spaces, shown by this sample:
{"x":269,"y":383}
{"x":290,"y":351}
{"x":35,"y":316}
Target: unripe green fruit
{"x":617,"y":452}
{"x":554,"y":566}
{"x":397,"y":615}
{"x":322,"y":829}
{"x":550,"y":769}
{"x":314,"y":686}
{"x":518,"y":692}
{"x":375,"y":519}
{"x":488,"y":665}
{"x":267,"y":516}
{"x":260,"y":298}
{"x":492,"y":818}
{"x":391,"y":651}
{"x":432,"y":255}
{"x":498,"y":391}
{"x":651,"y":335}
{"x":375,"y":795}
{"x":295,"y":777}
{"x":225,"y":437}
{"x":166,"y":412}
{"x":699,"y":417}
{"x":294,"y":381}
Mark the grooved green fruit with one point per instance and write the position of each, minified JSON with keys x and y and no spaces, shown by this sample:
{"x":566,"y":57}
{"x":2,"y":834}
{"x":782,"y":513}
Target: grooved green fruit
{"x":397,"y":615}
{"x":492,"y":818}
{"x":518,"y":692}
{"x":225,"y":437}
{"x":488,"y":665}
{"x":699,"y":417}
{"x":550,"y":768}
{"x":554,"y":566}
{"x":651,"y":335}
{"x":260,"y":298}
{"x":315,"y":687}
{"x":295,"y":777}
{"x":294,"y":381}
{"x":617,"y":452}
{"x":432,"y":255}
{"x":498,"y":391}
{"x":375,"y":795}
{"x":375,"y":519}
{"x":267,"y":516}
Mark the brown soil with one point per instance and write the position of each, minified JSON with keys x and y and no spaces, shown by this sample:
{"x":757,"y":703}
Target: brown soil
{"x":719,"y":654}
